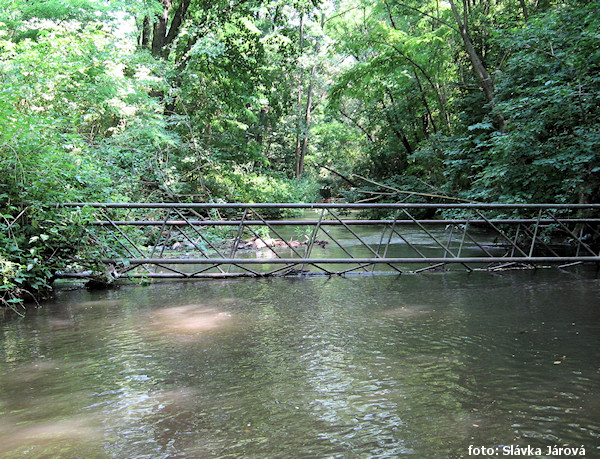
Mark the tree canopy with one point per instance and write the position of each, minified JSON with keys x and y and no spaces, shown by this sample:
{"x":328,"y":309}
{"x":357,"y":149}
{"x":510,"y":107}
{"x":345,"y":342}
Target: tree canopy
{"x":271,"y":100}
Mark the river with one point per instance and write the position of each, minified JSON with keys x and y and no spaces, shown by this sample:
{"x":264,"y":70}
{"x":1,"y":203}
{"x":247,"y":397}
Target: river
{"x":368,"y":366}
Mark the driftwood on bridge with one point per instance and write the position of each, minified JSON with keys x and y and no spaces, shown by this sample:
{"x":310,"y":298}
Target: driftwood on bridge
{"x":175,"y":240}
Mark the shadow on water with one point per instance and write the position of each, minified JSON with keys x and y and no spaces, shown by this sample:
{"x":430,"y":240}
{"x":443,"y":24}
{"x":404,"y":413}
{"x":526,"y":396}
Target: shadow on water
{"x":364,"y":367}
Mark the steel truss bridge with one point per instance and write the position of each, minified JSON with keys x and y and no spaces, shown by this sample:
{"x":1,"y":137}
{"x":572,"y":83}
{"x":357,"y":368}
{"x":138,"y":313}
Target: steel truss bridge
{"x":220,"y":240}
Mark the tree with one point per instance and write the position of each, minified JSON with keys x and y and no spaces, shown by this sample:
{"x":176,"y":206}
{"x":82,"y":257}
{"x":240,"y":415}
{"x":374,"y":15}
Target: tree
{"x":399,"y":81}
{"x":305,"y":113}
{"x":485,"y":80}
{"x":69,"y":90}
{"x":549,"y":89}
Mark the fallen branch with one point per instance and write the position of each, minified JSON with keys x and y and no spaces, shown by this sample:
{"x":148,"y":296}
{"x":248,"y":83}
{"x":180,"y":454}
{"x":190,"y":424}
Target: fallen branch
{"x":413,"y":193}
{"x":10,"y":225}
{"x":342,"y":176}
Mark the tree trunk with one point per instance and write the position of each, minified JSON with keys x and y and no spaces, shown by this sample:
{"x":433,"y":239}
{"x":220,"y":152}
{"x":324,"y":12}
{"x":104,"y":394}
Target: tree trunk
{"x":484,"y":77}
{"x":177,"y":21}
{"x":309,"y":107}
{"x":262,"y":125}
{"x":146,"y":34}
{"x":434,"y":87}
{"x":395,"y":125}
{"x":164,"y":34}
{"x":297,"y":150}
{"x":307,"y":119}
{"x":429,"y":116}
{"x":299,"y":127}
{"x":524,"y":8}
{"x":160,"y":29}
{"x":485,"y":80}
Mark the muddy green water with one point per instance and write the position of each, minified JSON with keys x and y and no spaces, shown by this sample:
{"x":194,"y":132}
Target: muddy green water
{"x":386,"y":366}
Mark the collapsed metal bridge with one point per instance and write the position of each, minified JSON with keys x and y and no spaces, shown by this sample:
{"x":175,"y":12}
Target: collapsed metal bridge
{"x":218,"y":240}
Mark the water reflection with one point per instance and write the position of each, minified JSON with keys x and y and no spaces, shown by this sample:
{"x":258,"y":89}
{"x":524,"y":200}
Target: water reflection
{"x":362,"y":367}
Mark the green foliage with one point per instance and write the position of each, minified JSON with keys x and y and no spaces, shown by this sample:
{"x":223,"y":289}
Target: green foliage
{"x":411,"y":91}
{"x":395,"y":91}
{"x":550,"y":90}
{"x":35,"y":243}
{"x":385,"y":89}
{"x":30,"y":19}
{"x":548,"y":93}
{"x":239,"y":185}
{"x":65,"y":101}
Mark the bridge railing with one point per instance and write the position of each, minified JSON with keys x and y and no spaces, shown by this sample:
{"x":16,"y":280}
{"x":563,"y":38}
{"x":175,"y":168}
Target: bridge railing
{"x":177,"y":240}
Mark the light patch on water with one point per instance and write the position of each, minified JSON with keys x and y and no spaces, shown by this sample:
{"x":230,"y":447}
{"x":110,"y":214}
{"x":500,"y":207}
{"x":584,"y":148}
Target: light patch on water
{"x":32,"y":371}
{"x":49,"y":437}
{"x":95,"y":303}
{"x":179,"y":396}
{"x":188,"y":320}
{"x":405,"y":312}
{"x":56,"y":323}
